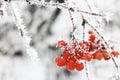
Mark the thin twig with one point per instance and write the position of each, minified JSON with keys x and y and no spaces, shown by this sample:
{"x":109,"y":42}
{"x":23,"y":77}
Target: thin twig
{"x":92,"y":11}
{"x":83,"y":25}
{"x":86,"y":69}
{"x":73,"y":25}
{"x":65,"y":6}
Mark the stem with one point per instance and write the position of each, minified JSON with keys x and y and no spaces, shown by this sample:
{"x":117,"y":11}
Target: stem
{"x":83,"y":25}
{"x":73,"y":25}
{"x":86,"y":69}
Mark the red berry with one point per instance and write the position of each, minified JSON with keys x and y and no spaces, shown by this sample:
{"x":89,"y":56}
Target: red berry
{"x":98,"y":55}
{"x":106,"y":58}
{"x":60,"y":61}
{"x":86,"y":43}
{"x":72,"y":58}
{"x":93,"y":55}
{"x":115,"y":53}
{"x":88,"y":57}
{"x":75,"y":50}
{"x":92,"y":48}
{"x":90,"y":32}
{"x":92,"y":38}
{"x":79,"y":66}
{"x":105,"y":55}
{"x":66,"y":54}
{"x":80,"y":55}
{"x":70,"y":65}
{"x":61,"y":43}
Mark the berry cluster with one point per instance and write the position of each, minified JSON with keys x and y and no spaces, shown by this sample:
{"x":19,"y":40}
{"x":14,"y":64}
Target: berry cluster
{"x":75,"y":52}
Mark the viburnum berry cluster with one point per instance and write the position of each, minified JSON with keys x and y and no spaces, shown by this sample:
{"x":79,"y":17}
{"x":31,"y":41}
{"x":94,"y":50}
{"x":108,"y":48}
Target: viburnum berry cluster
{"x":76,"y":52}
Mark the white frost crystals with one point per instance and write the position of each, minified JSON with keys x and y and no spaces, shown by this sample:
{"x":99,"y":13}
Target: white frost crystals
{"x":21,"y":27}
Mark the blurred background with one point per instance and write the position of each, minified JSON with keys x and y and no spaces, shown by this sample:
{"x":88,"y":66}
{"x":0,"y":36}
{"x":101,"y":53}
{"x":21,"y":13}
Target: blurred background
{"x":47,"y":25}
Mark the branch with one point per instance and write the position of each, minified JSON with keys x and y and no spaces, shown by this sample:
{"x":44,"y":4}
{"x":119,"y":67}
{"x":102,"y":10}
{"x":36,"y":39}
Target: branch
{"x":64,"y":6}
{"x":21,"y":28}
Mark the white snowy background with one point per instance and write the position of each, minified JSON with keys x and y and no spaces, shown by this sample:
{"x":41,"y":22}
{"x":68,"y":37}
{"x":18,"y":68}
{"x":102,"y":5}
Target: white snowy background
{"x":47,"y":25}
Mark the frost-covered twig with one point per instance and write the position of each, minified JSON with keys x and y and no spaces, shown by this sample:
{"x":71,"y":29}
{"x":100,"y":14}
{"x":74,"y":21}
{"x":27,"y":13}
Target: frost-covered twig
{"x":64,"y":6}
{"x":21,"y":27}
{"x":73,"y":25}
{"x":86,"y":69}
{"x":92,"y":11}
{"x":83,"y":25}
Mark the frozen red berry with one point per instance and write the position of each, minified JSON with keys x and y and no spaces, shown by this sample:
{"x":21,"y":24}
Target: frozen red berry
{"x":66,"y":54}
{"x":115,"y":53}
{"x":72,"y":58}
{"x":98,"y":55}
{"x":105,"y":55}
{"x":60,"y":61}
{"x":88,"y":57}
{"x":92,"y":38}
{"x":70,"y":65}
{"x":90,"y":32}
{"x":79,"y":66}
{"x":61,"y":43}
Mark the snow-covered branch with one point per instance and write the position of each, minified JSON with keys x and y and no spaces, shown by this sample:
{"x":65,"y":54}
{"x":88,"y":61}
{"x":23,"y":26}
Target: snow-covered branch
{"x":23,"y":32}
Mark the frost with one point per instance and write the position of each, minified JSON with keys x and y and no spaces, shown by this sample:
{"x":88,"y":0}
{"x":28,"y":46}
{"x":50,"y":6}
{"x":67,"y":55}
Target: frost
{"x":24,"y":34}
